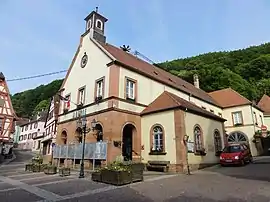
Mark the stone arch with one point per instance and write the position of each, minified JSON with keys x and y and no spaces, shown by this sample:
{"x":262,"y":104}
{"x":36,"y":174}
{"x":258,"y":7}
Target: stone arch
{"x":237,"y":137}
{"x":129,"y":132}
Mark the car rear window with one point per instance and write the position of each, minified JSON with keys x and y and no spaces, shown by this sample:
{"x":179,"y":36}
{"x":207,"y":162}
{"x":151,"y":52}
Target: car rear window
{"x":232,"y":149}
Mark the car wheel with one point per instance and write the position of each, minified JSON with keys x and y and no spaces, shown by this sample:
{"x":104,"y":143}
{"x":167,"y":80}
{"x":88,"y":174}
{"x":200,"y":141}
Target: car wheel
{"x":242,"y":162}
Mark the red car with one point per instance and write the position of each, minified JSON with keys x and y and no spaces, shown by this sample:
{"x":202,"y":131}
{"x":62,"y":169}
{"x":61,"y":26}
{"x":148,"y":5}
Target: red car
{"x":234,"y":154}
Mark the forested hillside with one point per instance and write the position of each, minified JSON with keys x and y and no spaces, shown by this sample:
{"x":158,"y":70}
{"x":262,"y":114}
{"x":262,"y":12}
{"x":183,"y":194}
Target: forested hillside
{"x":247,"y":70}
{"x":28,"y":103}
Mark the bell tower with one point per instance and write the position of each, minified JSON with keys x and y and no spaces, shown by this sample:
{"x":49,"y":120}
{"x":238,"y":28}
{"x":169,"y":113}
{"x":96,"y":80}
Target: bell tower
{"x":7,"y":114}
{"x":95,"y":24}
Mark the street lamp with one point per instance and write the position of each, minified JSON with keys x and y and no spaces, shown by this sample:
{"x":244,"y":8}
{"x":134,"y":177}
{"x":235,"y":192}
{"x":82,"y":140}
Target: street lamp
{"x":185,"y":139}
{"x":82,"y":124}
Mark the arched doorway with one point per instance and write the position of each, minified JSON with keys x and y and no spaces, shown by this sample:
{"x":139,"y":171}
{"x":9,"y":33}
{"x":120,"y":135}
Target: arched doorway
{"x":127,"y":141}
{"x":237,"y":137}
{"x":99,"y":132}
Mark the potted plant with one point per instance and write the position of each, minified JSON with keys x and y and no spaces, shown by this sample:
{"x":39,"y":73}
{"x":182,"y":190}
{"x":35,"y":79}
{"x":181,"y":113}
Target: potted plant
{"x":50,"y":169}
{"x":29,"y":167}
{"x":64,"y":171}
{"x":36,"y":167}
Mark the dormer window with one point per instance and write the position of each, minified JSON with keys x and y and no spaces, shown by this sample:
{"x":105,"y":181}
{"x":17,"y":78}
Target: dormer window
{"x":99,"y":24}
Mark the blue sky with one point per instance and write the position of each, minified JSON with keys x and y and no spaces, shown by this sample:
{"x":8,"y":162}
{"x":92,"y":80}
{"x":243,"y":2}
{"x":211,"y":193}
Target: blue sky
{"x":42,"y":36}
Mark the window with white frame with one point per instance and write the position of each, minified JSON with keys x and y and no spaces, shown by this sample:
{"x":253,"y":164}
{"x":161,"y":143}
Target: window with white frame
{"x":198,"y":139}
{"x":89,"y":24}
{"x":99,"y":24}
{"x":99,"y":88}
{"x":130,"y":89}
{"x":237,"y":118}
{"x":157,"y":139}
{"x":81,"y":96}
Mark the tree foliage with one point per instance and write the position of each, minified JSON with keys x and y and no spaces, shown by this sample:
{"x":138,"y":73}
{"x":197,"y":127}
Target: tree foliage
{"x":246,"y":71}
{"x":29,"y":102}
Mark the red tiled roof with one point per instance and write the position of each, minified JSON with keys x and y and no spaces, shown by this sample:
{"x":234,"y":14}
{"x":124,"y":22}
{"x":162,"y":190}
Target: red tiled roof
{"x":229,"y":98}
{"x":264,"y":104}
{"x":169,"y":101}
{"x":158,"y":74}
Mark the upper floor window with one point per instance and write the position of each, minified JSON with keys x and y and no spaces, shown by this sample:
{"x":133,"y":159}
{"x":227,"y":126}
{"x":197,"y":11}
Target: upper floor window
{"x":26,"y":127}
{"x":203,"y":107}
{"x":130,"y":89}
{"x":67,"y":102}
{"x":255,"y":118}
{"x":29,"y":136}
{"x":198,"y":141}
{"x":100,"y":88}
{"x":31,"y":126}
{"x":81,"y":95}
{"x":220,"y":114}
{"x":158,"y":138}
{"x":25,"y":137}
{"x":22,"y":128}
{"x":35,"y":125}
{"x":237,"y":118}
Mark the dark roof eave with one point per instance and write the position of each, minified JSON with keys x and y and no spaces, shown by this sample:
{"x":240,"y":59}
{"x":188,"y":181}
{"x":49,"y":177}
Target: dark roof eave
{"x":152,"y":77}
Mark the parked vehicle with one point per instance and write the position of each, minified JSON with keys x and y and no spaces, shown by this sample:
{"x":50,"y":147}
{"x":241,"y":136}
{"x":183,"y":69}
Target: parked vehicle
{"x":236,"y":154}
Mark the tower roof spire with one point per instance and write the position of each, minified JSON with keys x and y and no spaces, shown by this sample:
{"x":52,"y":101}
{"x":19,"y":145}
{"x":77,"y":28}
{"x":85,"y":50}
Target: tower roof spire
{"x":2,"y":77}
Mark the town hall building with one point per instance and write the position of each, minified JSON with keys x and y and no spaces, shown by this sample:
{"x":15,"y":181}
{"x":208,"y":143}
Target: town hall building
{"x":143,"y":112}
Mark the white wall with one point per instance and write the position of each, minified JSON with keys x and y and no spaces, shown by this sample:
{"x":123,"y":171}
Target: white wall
{"x":95,"y":68}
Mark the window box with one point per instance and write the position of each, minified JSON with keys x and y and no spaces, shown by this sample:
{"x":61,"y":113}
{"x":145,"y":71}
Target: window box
{"x":97,"y":99}
{"x":238,"y":124}
{"x":157,"y":153}
{"x":38,"y":168}
{"x":64,"y":172}
{"x":50,"y":169}
{"x":79,"y":106}
{"x":201,"y":152}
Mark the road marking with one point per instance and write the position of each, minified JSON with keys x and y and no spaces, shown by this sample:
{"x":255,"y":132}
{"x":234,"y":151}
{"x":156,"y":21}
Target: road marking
{"x":24,"y":174}
{"x":9,"y":189}
{"x":32,"y":189}
{"x":55,"y":182}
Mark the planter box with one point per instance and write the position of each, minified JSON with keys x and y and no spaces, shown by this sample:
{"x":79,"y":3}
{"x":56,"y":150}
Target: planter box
{"x":29,"y":167}
{"x":64,"y":172}
{"x":137,"y":172}
{"x":51,"y":170}
{"x":36,"y":168}
{"x":96,"y":176}
{"x":116,"y":177}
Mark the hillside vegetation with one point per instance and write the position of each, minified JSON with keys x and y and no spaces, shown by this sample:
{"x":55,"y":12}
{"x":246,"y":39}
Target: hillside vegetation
{"x":247,"y":71}
{"x":28,"y":103}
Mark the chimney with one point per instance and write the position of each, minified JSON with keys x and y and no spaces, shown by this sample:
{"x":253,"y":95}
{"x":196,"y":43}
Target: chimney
{"x":196,"y":81}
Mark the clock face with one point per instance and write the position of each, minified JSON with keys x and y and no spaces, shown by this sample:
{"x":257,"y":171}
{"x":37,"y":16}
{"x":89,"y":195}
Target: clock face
{"x":84,"y":60}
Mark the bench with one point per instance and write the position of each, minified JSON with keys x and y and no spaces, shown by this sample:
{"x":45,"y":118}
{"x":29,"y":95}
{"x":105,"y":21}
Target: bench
{"x":158,"y":166}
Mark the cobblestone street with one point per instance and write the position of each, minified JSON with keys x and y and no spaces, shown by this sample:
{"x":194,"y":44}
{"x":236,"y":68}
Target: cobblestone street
{"x":212,"y":184}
